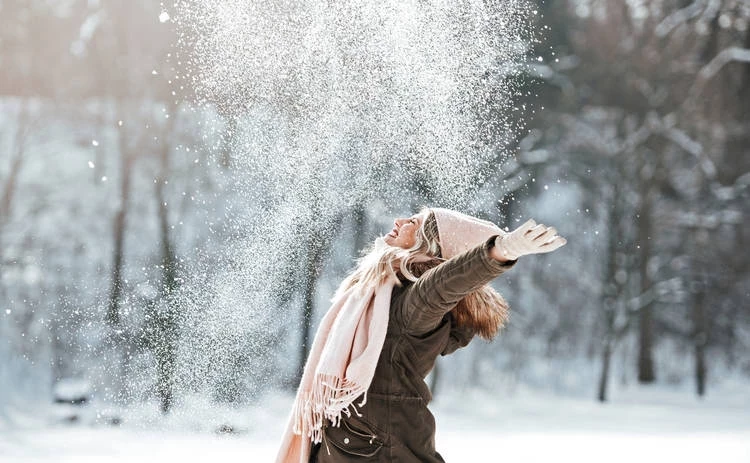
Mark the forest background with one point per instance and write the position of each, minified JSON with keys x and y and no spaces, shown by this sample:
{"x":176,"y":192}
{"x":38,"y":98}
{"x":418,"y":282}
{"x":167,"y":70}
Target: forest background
{"x":149,"y":251}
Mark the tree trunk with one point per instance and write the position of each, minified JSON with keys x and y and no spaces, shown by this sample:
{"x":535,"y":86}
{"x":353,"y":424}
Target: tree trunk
{"x":9,"y":189}
{"x":166,"y":329}
{"x":113,"y":312}
{"x":317,"y":245}
{"x":700,"y":339}
{"x":10,"y":183}
{"x":612,"y":291}
{"x":645,"y":323}
{"x":314,"y":260}
{"x":604,"y":376}
{"x":360,"y":228}
{"x":166,"y":343}
{"x":117,"y":339}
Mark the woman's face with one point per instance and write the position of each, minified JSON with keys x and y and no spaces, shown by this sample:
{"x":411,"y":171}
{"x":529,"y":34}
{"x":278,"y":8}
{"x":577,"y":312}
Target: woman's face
{"x":404,"y":233}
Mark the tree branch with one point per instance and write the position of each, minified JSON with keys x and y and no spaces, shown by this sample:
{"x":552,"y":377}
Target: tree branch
{"x":680,"y":16}
{"x":713,"y":67}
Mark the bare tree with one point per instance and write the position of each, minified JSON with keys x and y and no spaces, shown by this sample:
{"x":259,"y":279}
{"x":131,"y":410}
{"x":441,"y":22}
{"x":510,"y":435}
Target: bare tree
{"x":645,"y":68}
{"x":163,"y":317}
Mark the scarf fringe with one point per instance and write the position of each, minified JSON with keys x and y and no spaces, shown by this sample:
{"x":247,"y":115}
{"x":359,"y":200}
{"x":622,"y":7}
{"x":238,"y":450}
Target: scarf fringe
{"x":329,"y":398}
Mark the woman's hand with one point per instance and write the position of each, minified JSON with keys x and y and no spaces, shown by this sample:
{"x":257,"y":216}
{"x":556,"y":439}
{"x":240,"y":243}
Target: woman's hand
{"x":529,"y":238}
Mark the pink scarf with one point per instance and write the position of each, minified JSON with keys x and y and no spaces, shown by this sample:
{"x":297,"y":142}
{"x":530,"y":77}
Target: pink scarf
{"x":339,"y":368}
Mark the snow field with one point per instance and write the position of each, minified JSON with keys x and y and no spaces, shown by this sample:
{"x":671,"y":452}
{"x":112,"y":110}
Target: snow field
{"x":642,"y":426}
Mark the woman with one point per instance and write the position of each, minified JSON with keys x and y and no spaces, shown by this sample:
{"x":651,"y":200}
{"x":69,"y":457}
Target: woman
{"x":420,"y":292}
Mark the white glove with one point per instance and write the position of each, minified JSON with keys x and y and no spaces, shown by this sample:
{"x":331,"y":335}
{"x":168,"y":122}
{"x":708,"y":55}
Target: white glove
{"x":529,"y":238}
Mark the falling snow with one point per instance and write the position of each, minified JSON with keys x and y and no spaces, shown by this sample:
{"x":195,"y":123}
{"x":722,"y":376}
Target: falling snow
{"x":363,"y":85}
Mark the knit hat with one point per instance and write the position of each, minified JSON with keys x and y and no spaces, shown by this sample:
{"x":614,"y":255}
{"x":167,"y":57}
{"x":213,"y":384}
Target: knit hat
{"x":460,"y":232}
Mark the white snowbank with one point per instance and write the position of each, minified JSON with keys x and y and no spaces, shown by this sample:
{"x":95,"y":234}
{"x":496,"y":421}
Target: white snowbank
{"x":642,"y":425}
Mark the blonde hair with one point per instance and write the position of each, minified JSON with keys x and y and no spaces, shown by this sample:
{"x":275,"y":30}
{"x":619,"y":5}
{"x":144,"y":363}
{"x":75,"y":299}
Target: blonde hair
{"x":484,"y":311}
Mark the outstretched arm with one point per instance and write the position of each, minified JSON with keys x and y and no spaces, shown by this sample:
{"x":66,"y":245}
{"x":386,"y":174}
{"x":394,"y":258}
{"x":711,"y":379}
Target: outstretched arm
{"x":424,"y":303}
{"x":529,"y":238}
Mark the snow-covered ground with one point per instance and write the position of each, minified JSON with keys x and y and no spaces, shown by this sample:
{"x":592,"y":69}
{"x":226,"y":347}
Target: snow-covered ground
{"x":639,"y":425}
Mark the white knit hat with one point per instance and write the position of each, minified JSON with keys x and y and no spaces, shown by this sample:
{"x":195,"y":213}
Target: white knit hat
{"x":460,"y":232}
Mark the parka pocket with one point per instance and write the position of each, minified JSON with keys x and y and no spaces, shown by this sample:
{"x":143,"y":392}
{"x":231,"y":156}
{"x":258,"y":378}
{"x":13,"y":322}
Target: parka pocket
{"x":353,"y":439}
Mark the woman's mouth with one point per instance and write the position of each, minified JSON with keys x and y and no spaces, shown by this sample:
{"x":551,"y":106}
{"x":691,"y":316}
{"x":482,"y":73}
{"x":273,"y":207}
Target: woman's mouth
{"x":393,"y":233}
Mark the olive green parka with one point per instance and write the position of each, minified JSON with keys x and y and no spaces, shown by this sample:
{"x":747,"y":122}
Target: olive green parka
{"x":395,"y":424}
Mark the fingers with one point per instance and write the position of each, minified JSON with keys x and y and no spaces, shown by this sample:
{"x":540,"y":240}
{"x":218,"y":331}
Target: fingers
{"x":528,"y":225}
{"x":544,"y":238}
{"x":546,"y":235}
{"x":555,"y":243}
{"x":540,"y":232}
{"x":535,"y":232}
{"x":533,"y":238}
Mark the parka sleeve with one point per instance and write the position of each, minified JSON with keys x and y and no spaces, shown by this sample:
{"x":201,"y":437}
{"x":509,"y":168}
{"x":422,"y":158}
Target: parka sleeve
{"x":459,"y":337}
{"x":424,"y":303}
